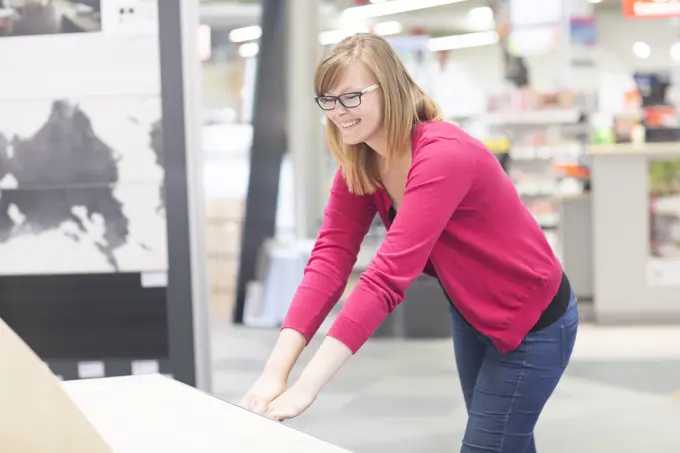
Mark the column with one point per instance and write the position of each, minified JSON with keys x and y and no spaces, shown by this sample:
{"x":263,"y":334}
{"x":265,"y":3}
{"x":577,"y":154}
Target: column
{"x":270,"y":115}
{"x":305,"y":137}
{"x":188,"y":326}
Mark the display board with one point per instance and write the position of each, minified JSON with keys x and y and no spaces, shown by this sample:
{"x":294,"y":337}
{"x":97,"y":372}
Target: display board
{"x":81,"y":159}
{"x":83,"y":218}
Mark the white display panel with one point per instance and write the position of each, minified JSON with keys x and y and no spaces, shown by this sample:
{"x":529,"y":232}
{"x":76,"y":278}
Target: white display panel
{"x":81,"y":153}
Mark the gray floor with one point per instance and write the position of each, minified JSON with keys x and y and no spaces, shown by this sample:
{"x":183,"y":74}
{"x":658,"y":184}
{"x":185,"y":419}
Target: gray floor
{"x":620,"y":393}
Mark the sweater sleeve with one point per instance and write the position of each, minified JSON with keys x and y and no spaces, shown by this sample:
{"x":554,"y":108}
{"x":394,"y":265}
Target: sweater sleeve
{"x":346,"y":221}
{"x":440,"y":177}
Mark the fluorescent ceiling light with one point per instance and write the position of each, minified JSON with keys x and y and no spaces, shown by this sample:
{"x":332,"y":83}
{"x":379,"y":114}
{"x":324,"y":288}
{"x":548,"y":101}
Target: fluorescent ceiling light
{"x":245,"y":34}
{"x":393,"y":7}
{"x":464,"y":41}
{"x":388,"y":28}
{"x":480,"y":19}
{"x":327,"y":38}
{"x":249,"y":49}
{"x":482,"y":38}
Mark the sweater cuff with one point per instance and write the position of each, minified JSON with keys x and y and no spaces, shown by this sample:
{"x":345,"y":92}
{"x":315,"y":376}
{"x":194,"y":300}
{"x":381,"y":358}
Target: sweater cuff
{"x":302,"y":320}
{"x":348,"y":333}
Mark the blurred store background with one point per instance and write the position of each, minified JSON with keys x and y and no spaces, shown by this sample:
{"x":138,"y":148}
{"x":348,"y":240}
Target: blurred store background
{"x":579,"y":99}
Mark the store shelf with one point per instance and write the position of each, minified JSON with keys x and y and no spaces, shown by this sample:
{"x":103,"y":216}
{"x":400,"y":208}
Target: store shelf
{"x":548,"y":220}
{"x":537,"y":117}
{"x":537,"y":189}
{"x":635,"y":149}
{"x":564,"y":151}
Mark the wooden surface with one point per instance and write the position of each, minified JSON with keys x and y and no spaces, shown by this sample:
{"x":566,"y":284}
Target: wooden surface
{"x":36,"y":415}
{"x":141,"y":414}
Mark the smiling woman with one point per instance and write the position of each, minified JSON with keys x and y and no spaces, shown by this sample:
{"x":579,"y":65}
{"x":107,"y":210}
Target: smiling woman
{"x":361,"y":115}
{"x":452,"y":212}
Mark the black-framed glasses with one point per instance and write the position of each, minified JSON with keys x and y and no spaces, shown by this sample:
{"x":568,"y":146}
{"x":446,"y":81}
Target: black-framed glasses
{"x":347,"y":100}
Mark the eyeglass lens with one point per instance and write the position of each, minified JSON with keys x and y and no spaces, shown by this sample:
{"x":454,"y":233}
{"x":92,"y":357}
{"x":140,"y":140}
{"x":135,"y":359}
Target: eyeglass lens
{"x":349,"y":100}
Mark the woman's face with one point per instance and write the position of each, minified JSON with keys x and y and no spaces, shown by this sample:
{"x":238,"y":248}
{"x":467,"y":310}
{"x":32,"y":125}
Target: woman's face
{"x":361,"y":118}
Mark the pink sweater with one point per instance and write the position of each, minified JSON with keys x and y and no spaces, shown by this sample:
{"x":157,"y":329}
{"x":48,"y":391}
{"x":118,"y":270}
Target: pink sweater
{"x":460,"y":219}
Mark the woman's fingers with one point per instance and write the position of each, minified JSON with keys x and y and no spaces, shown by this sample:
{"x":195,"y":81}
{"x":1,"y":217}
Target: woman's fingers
{"x":245,"y":402}
{"x":259,"y":407}
{"x":278,"y":415}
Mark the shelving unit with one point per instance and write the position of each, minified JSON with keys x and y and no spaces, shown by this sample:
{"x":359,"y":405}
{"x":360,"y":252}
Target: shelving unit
{"x":536,"y":117}
{"x":542,"y":144}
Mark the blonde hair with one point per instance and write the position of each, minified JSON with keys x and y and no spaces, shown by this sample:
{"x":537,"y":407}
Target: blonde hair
{"x":406,"y":104}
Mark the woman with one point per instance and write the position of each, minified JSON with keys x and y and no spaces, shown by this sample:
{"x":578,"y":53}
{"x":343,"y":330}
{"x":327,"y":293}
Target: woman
{"x":451,"y":212}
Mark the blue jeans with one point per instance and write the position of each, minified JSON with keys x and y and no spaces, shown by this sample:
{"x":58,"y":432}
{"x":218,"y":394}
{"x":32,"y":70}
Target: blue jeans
{"x":505,"y":393}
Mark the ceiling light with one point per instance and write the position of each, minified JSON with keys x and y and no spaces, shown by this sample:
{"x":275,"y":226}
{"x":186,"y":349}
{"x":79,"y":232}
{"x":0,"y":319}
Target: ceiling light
{"x":393,"y":7}
{"x":245,"y":34}
{"x":249,"y":49}
{"x":642,"y":50}
{"x":326,"y":38}
{"x":480,"y":13}
{"x":480,"y":18}
{"x":388,"y":28}
{"x":464,"y":41}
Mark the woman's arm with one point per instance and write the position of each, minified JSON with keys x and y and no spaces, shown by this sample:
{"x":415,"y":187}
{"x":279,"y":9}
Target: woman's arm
{"x":347,"y":219}
{"x":441,"y":175}
{"x":287,"y":349}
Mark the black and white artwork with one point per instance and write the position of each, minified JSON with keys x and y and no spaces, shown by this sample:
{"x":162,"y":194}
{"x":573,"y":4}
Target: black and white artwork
{"x":48,"y":17}
{"x":81,"y":186}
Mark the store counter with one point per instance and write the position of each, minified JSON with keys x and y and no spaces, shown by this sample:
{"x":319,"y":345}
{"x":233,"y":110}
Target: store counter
{"x":636,"y":232}
{"x":141,"y":414}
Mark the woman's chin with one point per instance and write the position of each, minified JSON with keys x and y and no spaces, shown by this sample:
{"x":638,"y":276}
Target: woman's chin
{"x":352,"y":138}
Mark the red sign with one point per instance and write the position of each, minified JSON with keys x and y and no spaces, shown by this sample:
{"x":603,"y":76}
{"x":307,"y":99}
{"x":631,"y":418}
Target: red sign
{"x":651,"y":8}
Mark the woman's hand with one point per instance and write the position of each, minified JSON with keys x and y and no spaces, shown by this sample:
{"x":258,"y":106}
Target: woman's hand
{"x":274,"y":378}
{"x":330,"y":357}
{"x":265,"y":390}
{"x":291,"y":403}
